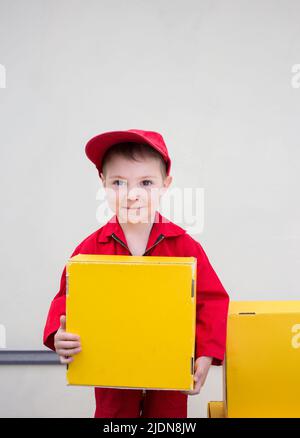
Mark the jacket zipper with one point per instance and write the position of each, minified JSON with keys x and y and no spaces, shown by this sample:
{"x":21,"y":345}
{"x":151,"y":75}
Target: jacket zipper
{"x":120,"y":241}
{"x":159,"y":239}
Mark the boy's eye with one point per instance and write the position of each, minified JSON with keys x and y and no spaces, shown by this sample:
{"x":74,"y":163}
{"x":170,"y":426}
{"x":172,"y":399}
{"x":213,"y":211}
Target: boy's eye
{"x":147,"y":181}
{"x":118,"y":182}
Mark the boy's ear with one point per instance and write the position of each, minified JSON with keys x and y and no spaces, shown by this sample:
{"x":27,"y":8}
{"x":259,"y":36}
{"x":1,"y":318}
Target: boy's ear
{"x":167,"y":181}
{"x":102,"y":178}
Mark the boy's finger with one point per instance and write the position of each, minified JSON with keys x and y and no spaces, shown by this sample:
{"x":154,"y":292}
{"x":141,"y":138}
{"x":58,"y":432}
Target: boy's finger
{"x":64,"y":359}
{"x":68,"y":344}
{"x":66,"y":336}
{"x":63,"y":322}
{"x":67,"y":352}
{"x":197,"y":387}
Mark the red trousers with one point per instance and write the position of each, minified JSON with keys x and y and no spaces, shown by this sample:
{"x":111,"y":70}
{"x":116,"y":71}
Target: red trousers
{"x":135,"y":403}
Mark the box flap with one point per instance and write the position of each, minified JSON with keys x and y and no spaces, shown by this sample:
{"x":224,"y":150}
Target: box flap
{"x":104,"y":258}
{"x":263,"y":307}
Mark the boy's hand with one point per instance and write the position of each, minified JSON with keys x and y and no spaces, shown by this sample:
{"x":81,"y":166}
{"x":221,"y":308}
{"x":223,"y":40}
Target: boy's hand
{"x":202,"y":365}
{"x":66,"y":344}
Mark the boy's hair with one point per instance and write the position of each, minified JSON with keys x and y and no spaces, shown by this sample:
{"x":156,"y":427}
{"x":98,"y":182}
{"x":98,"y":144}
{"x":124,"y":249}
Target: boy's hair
{"x":130,"y":150}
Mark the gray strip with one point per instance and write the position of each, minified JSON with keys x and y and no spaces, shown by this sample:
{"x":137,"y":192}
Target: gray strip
{"x":28,"y":357}
{"x":192,"y":365}
{"x":193,"y":287}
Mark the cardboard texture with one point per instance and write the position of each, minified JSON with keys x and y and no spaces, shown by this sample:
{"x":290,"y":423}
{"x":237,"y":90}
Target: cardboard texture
{"x":262,"y":360}
{"x":215,"y":409}
{"x":136,"y":318}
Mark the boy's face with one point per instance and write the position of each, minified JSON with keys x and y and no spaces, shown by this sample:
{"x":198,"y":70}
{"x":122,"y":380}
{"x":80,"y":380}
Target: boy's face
{"x":134,"y":188}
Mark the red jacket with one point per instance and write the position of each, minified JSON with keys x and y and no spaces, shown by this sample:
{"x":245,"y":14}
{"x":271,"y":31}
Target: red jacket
{"x":165,"y":239}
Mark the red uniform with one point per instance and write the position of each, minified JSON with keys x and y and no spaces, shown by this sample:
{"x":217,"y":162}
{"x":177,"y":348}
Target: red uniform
{"x":212,"y":301}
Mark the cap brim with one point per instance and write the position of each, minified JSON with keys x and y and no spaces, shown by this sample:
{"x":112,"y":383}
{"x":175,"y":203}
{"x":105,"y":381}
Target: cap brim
{"x":98,"y":145}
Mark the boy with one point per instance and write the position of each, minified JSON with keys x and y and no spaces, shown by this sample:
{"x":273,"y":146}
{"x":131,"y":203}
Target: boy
{"x":134,"y":167}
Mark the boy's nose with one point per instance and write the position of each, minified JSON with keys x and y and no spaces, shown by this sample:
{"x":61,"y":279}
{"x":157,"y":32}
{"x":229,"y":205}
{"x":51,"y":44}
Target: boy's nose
{"x":133,"y":193}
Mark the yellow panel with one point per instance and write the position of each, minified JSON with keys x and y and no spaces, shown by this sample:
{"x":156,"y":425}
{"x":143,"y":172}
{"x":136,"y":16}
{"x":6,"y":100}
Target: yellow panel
{"x":291,"y":306}
{"x":215,"y":409}
{"x":136,"y":319}
{"x":262,"y":360}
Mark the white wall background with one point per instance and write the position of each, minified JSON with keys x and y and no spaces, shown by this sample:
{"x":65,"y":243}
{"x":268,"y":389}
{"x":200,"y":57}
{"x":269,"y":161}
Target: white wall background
{"x":214,"y":77}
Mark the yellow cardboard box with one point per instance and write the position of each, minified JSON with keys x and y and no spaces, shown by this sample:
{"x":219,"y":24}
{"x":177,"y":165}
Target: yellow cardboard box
{"x":262,"y":361}
{"x":136,"y":317}
{"x":215,"y":409}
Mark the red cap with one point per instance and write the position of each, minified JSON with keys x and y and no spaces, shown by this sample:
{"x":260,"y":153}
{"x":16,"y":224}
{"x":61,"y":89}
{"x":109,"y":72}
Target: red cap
{"x":98,"y":145}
